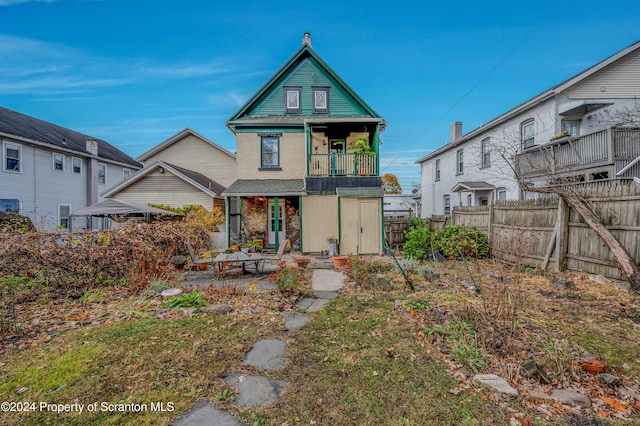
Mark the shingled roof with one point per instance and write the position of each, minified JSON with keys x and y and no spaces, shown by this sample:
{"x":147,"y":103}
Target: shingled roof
{"x":22,"y":126}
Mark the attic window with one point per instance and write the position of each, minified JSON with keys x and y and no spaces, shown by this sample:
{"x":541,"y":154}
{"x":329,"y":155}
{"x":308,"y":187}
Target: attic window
{"x":292,"y":100}
{"x":320,"y":100}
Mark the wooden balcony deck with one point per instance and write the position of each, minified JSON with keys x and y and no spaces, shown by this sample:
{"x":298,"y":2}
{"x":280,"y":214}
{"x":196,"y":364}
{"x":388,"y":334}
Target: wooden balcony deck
{"x":610,"y":147}
{"x":349,"y":164}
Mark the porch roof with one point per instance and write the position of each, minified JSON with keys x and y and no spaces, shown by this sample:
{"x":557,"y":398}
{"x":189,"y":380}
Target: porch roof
{"x":265,"y":188}
{"x":473,"y":186}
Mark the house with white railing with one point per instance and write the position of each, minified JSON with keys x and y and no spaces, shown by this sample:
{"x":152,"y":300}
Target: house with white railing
{"x":583,"y":129}
{"x":308,"y":167}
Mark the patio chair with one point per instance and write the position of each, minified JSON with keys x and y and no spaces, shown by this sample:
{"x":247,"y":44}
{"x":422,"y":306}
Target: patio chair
{"x":275,"y":256}
{"x":270,"y":256}
{"x":194,"y":259}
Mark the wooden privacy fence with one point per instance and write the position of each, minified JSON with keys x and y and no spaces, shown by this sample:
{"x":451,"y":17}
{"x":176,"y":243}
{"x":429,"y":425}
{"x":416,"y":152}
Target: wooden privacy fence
{"x":546,"y":233}
{"x":394,"y":231}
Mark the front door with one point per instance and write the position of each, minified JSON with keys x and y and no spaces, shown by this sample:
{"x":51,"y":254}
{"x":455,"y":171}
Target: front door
{"x":279,"y":221}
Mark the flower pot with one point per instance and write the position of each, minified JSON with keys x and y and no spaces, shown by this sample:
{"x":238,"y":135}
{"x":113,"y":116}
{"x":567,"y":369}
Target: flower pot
{"x":339,"y":261}
{"x":202,"y":266}
{"x":302,"y":262}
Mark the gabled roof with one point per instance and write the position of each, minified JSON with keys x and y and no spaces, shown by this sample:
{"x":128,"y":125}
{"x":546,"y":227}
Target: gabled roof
{"x":478,"y":185}
{"x":198,"y":180}
{"x":544,"y":96}
{"x":177,"y":137}
{"x":33,"y":130}
{"x":303,"y":53}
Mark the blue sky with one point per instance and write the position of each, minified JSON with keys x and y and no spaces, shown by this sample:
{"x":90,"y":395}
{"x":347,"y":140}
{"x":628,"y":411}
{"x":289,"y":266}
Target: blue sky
{"x":136,"y":72}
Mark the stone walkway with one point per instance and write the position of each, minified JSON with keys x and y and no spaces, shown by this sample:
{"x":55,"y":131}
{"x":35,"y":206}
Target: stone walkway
{"x":267,"y":354}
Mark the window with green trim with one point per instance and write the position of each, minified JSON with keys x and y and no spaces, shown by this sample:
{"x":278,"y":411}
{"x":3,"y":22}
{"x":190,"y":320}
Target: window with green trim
{"x":270,"y":155}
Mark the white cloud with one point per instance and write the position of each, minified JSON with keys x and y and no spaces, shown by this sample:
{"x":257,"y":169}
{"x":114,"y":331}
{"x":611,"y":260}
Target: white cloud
{"x":12,"y":2}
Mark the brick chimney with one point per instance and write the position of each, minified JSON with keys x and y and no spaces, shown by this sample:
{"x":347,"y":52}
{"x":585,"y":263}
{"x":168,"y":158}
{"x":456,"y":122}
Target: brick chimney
{"x":455,"y":130}
{"x":92,"y":146}
{"x":307,"y":39}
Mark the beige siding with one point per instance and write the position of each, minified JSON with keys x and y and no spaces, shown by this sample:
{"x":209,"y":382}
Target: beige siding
{"x":195,"y":154}
{"x":292,"y":157}
{"x":621,"y":79}
{"x":357,"y":214}
{"x":319,"y":221}
{"x":165,"y":188}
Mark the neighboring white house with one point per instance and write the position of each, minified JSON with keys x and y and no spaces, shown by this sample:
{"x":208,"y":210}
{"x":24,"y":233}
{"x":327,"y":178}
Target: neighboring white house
{"x":566,"y":131}
{"x":400,"y":205}
{"x":49,"y":171}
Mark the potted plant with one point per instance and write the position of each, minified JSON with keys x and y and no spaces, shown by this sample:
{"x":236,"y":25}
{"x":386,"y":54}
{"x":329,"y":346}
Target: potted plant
{"x":361,"y":146}
{"x":254,"y":245}
{"x":301,"y":261}
{"x":333,"y":245}
{"x":179,"y":261}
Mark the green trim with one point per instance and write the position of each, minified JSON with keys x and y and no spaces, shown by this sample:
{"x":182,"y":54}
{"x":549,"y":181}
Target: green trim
{"x":382,"y":221}
{"x":275,"y":166}
{"x":276,"y":220}
{"x":296,"y":128}
{"x":228,"y":217}
{"x":339,"y":222}
{"x":300,"y":220}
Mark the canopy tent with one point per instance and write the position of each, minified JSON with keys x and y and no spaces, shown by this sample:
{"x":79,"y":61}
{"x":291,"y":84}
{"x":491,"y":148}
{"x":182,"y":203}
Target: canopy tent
{"x":112,"y":206}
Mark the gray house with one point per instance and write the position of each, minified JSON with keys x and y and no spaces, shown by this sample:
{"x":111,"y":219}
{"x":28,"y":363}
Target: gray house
{"x":49,"y":171}
{"x":575,"y":131}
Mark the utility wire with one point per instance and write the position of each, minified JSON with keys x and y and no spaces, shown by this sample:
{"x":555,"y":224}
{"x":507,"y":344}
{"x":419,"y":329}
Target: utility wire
{"x":475,"y":86}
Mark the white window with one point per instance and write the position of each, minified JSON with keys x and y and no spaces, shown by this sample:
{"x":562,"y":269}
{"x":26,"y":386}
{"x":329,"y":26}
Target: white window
{"x":527,"y":133}
{"x":320,"y":100}
{"x":486,"y":153}
{"x":102,"y":173}
{"x":501,"y":194}
{"x":64,"y":211}
{"x":437,"y":170}
{"x":76,"y":165}
{"x":571,"y":127}
{"x":469,"y":199}
{"x":447,"y":204}
{"x":58,"y":162}
{"x":126,"y":173}
{"x":292,"y":100}
{"x":12,"y":157}
{"x":460,"y":162}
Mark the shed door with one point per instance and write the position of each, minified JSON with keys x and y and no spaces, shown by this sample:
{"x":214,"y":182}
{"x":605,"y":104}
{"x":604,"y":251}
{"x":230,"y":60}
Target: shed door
{"x":369,"y":212}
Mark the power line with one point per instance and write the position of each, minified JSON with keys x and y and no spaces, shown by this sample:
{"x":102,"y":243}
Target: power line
{"x":491,"y":71}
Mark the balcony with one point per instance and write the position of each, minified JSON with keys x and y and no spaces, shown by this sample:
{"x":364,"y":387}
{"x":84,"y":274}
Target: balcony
{"x":611,"y":149}
{"x":351,"y":164}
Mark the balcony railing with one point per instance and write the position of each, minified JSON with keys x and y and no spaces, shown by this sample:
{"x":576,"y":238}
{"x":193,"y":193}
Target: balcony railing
{"x":567,"y":154}
{"x":343,"y":165}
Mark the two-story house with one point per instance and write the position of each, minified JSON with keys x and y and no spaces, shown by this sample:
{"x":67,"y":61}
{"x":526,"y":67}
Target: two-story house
{"x":308,"y":166}
{"x":575,"y":130}
{"x":49,"y":171}
{"x":187,"y":168}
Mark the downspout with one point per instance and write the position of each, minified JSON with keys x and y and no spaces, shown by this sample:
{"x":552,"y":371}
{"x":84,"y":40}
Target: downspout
{"x":276,"y":221}
{"x":227,"y":216}
{"x":300,"y":220}
{"x":384,"y":237}
{"x":339,"y":225}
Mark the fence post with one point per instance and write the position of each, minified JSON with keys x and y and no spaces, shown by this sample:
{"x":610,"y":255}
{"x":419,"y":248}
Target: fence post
{"x":490,"y":228}
{"x":562,"y":242}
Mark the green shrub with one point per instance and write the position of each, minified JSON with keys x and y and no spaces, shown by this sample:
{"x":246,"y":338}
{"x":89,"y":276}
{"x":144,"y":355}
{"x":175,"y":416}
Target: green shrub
{"x":472,"y":242}
{"x":418,"y":240}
